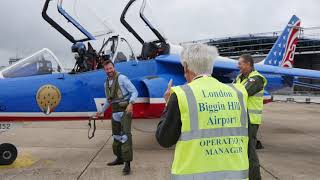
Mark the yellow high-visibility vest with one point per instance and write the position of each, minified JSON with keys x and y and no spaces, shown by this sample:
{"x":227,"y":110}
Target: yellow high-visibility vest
{"x":255,"y":102}
{"x":214,"y":133}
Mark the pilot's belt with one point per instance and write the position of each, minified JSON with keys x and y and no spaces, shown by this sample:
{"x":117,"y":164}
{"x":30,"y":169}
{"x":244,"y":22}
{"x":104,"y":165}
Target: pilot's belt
{"x":125,"y":98}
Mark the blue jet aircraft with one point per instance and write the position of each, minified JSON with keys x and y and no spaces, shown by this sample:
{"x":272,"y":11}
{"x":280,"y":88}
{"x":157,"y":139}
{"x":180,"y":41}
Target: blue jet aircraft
{"x":39,"y":88}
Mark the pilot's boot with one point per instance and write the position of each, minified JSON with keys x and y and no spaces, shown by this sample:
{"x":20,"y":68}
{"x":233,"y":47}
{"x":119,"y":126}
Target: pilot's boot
{"x":116,"y":146}
{"x":118,"y":161}
{"x":126,"y":170}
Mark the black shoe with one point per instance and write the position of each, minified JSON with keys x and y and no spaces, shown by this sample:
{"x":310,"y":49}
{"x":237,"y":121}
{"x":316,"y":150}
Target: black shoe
{"x":259,"y":145}
{"x":126,"y":170}
{"x":118,"y":161}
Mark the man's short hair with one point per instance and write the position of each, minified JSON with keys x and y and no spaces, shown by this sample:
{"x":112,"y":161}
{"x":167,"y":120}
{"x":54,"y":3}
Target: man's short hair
{"x":248,"y":59}
{"x":107,"y":62}
{"x":199,"y":58}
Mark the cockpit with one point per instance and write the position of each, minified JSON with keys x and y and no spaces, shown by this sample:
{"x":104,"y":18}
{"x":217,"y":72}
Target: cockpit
{"x":87,"y":58}
{"x":118,"y":50}
{"x":44,"y":61}
{"x":115,"y":48}
{"x":39,"y":63}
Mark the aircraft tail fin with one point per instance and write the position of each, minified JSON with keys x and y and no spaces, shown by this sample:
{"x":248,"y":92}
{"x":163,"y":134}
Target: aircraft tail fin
{"x":282,"y":52}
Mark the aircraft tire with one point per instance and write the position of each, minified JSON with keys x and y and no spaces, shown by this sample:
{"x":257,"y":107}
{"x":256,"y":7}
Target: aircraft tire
{"x":8,"y":154}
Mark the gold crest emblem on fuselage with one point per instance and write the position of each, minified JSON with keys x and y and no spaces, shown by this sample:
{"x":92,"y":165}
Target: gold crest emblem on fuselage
{"x":48,"y":98}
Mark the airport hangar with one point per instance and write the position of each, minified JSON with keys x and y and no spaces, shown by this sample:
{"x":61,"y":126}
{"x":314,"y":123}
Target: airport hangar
{"x":307,"y":55}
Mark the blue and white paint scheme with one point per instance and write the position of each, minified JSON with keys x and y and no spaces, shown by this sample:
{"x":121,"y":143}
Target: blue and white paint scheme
{"x":81,"y":95}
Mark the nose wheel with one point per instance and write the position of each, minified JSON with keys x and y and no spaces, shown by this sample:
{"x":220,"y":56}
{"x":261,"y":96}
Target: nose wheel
{"x":8,"y":153}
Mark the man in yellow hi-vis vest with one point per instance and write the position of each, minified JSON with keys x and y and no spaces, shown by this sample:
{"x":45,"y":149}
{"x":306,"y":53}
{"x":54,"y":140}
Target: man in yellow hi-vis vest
{"x":208,"y":122}
{"x":254,"y":83}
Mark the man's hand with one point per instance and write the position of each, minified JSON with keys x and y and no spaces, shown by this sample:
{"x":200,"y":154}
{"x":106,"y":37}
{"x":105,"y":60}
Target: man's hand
{"x":129,"y":108}
{"x":99,"y":114}
{"x":167,"y":93}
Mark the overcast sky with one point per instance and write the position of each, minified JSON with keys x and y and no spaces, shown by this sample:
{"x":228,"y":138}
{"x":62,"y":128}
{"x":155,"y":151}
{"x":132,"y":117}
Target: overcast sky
{"x":24,"y":30}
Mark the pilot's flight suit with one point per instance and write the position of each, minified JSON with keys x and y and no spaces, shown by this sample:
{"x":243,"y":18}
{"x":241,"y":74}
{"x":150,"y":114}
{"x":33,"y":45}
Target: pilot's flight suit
{"x":120,"y":92}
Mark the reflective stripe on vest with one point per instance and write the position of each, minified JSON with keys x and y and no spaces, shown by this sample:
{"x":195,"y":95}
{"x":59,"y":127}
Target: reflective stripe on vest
{"x":190,"y":138}
{"x":255,"y":102}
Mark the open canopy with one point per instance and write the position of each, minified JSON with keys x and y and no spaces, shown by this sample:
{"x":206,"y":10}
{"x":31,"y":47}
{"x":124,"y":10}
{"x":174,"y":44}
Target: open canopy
{"x":76,"y":20}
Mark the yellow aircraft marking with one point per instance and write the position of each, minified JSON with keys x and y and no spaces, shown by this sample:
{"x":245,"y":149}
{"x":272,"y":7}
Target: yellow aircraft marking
{"x":23,"y":160}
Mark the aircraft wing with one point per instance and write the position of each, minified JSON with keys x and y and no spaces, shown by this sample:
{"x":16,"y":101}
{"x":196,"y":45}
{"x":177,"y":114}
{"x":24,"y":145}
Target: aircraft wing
{"x":308,"y":85}
{"x":266,"y":69}
{"x":231,"y":66}
{"x":289,"y":72}
{"x":297,"y":72}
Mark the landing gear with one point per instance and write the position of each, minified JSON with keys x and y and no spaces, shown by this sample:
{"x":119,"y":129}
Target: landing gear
{"x":8,"y":153}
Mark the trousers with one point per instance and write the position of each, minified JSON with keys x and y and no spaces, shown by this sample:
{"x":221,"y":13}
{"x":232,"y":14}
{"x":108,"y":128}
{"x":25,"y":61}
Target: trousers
{"x":123,"y":150}
{"x":254,"y":165}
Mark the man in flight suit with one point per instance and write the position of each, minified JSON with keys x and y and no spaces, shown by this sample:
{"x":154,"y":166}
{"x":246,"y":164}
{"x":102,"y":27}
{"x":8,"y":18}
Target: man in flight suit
{"x":121,"y":95}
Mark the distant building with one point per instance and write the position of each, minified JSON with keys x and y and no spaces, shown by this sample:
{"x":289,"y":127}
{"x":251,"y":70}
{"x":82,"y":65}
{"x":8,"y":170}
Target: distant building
{"x":307,"y":54}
